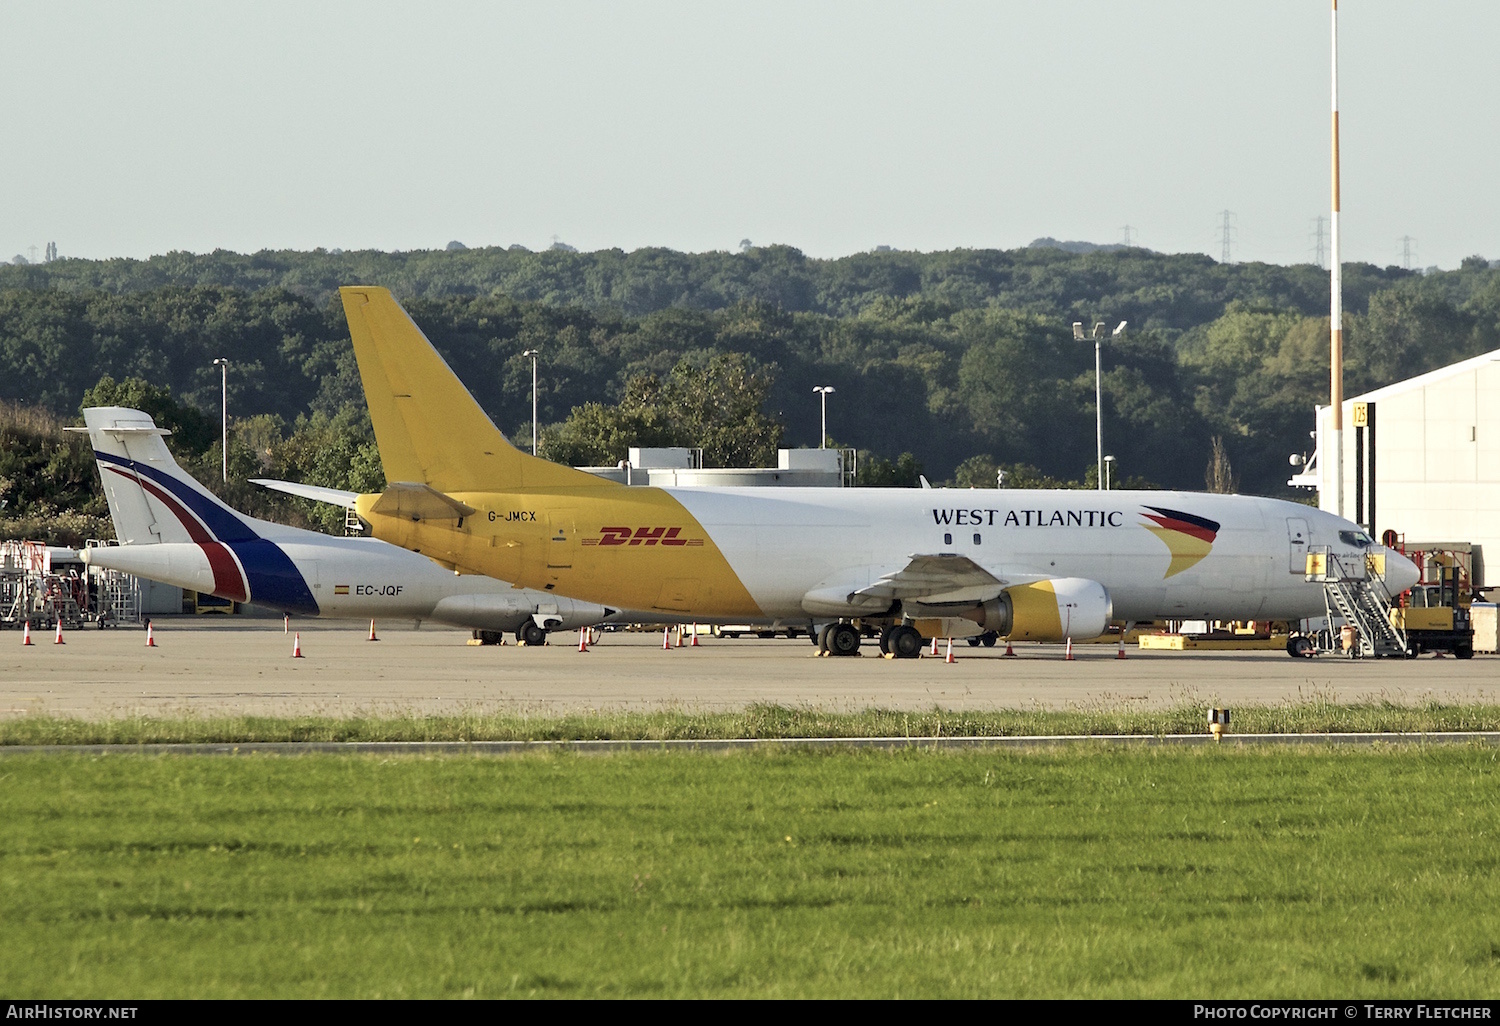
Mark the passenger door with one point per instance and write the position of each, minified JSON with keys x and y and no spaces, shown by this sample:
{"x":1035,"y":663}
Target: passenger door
{"x":1296,"y":530}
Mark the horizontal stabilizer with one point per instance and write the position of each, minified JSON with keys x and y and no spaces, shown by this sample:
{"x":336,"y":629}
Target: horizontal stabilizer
{"x":125,"y":428}
{"x":419,"y":502}
{"x":332,"y":496}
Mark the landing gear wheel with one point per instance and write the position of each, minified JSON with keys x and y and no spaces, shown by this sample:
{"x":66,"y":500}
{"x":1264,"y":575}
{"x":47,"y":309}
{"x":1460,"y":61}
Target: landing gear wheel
{"x":988,"y":639}
{"x":843,"y":639}
{"x":821,"y":639}
{"x":973,"y":642}
{"x":885,"y":639}
{"x":1300,"y":647}
{"x":530,"y":634}
{"x":905,"y":642}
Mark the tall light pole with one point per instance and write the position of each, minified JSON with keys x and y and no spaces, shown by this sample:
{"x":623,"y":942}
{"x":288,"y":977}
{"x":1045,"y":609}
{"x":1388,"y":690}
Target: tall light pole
{"x":223,"y":366}
{"x":1331,"y":462}
{"x":1098,"y":337}
{"x":824,"y":390}
{"x":533,"y":354}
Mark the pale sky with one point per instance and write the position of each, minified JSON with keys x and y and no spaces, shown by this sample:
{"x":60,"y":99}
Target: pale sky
{"x":131,"y":129}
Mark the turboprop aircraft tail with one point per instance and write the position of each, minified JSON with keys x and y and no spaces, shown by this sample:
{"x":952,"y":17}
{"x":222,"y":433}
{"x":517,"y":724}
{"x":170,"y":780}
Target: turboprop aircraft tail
{"x":209,"y":547}
{"x":429,"y":428}
{"x":143,"y":484}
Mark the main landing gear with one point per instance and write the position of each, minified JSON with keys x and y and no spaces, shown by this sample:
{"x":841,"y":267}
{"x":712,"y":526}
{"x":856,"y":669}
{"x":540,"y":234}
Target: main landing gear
{"x":901,"y":641}
{"x":839,"y":639}
{"x":529,"y":633}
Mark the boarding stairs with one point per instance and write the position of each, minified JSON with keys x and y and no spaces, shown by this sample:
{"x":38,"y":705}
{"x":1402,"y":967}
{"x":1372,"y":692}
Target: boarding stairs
{"x":1354,"y":591}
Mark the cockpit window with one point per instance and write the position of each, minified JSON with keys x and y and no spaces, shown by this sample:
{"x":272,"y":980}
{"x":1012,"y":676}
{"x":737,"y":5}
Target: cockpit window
{"x":1358,"y":539}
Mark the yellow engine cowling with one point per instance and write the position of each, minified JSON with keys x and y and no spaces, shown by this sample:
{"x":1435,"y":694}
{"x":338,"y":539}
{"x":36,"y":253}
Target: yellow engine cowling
{"x":1053,"y":610}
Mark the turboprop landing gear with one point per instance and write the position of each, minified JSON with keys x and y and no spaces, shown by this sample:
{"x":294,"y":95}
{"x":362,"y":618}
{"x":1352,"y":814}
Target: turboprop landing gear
{"x":1300,"y":646}
{"x":530,"y":634}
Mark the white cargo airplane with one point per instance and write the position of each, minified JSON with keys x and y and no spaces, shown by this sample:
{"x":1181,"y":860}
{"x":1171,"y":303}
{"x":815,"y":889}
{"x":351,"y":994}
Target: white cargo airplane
{"x":1026,"y":565}
{"x":174,"y":530}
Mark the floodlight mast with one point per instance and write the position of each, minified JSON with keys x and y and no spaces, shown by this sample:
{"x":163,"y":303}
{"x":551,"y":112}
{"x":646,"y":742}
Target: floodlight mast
{"x":1098,"y":337}
{"x":533,"y":354}
{"x":223,"y":366}
{"x":824,"y":390}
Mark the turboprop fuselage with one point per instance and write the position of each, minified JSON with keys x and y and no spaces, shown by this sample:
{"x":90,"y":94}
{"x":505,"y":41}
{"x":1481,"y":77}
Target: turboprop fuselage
{"x":342,"y":578}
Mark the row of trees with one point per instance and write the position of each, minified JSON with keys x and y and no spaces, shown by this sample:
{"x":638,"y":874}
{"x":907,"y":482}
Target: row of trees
{"x":964,"y":391}
{"x":1154,"y":290}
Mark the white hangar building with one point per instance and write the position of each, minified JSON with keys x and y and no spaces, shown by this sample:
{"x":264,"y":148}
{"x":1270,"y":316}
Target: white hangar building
{"x":1421,"y":457}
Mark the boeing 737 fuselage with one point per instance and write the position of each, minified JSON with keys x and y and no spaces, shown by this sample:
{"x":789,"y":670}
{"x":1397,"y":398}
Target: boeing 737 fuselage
{"x":1028,"y":565}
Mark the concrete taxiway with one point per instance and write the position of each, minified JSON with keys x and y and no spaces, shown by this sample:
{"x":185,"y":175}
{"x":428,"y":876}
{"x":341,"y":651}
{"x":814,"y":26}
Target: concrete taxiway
{"x":246,"y":667}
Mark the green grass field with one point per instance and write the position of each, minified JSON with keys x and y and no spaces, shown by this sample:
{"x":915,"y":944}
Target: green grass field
{"x":1092,"y":872}
{"x":1314,"y":714}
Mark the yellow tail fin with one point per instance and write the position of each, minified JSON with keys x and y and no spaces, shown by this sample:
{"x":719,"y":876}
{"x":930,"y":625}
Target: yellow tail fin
{"x":427,"y":425}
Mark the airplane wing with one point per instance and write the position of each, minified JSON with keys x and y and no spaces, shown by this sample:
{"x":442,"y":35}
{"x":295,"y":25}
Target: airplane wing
{"x":929,"y":579}
{"x":333,"y":496}
{"x":938,"y":578}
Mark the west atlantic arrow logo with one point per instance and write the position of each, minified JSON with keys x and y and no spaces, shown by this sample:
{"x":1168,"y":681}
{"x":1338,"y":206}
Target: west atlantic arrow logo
{"x":1187,"y":538}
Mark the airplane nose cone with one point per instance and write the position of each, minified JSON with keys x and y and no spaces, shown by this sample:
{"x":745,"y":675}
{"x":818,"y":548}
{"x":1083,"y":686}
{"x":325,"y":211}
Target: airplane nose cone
{"x":1400,"y":572}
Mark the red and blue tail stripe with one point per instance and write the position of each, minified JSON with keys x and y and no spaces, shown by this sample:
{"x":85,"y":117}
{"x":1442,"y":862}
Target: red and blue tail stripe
{"x":246,"y":567}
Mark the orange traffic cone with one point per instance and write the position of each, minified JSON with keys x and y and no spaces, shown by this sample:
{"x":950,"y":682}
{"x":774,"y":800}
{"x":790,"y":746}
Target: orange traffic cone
{"x":150,"y":636}
{"x":934,"y":645}
{"x":58,"y":639}
{"x":694,"y":643}
{"x":26,"y":634}
{"x":286,"y":623}
{"x":583,"y":639}
{"x":1068,"y":650}
{"x":1008,"y":649}
{"x":1120,"y":654}
{"x":949,"y":658}
{"x":372,"y":636}
{"x":679,"y":635}
{"x":666,"y":639}
{"x":297,"y":645}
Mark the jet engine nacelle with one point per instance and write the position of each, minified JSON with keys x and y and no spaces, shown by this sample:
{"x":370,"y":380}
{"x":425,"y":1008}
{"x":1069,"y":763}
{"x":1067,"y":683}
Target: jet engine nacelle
{"x":1053,"y":610}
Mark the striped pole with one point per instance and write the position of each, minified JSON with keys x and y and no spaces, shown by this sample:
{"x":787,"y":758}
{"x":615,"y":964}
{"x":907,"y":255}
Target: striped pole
{"x":1331,"y":496}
